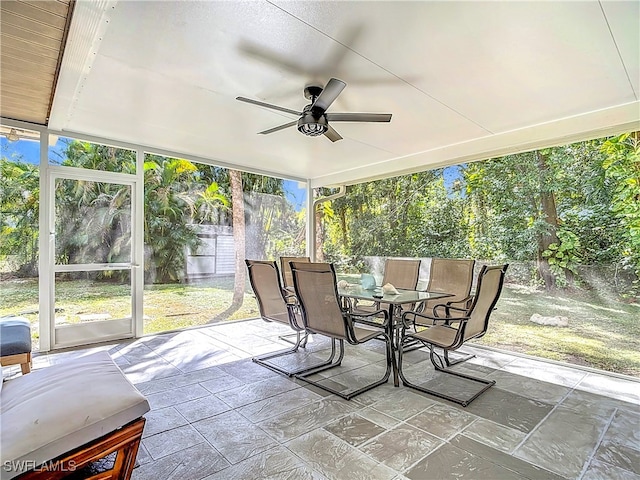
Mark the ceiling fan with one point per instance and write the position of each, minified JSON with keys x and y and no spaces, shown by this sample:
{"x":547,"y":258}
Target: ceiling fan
{"x":313,"y":119}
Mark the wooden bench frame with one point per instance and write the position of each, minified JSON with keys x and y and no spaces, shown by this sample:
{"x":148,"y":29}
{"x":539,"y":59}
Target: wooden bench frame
{"x":125,"y":441}
{"x":24,"y":359}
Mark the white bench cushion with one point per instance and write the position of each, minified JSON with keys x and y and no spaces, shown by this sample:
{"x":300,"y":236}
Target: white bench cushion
{"x":59,"y":408}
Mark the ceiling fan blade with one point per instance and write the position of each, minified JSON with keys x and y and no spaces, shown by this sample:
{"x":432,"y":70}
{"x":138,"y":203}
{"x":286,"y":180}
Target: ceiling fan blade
{"x":268,"y":105}
{"x":332,"y":135}
{"x":281,"y":127}
{"x":359,"y":117}
{"x":329,"y":94}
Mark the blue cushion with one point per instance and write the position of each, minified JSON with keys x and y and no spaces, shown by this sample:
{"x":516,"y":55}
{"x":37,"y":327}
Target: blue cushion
{"x":15,"y":336}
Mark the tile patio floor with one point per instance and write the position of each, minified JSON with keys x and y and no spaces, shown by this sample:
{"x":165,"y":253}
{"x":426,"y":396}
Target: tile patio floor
{"x":217,"y":415}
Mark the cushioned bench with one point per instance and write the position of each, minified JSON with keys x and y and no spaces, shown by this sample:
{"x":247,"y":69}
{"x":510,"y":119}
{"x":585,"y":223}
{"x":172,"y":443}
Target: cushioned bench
{"x":15,"y":342}
{"x":66,"y":416}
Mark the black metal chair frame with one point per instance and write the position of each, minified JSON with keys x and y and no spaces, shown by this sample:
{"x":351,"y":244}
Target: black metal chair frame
{"x":349,"y":331}
{"x":292,"y":312}
{"x":289,"y":294}
{"x":442,"y":363}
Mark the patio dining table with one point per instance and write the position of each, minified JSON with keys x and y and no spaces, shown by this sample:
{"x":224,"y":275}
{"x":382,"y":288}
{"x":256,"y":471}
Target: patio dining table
{"x":395,"y":303}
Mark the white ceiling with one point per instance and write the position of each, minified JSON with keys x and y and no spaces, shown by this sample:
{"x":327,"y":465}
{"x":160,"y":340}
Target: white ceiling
{"x":464,"y":80}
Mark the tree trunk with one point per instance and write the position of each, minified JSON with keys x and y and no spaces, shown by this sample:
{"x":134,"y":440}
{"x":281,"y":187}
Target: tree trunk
{"x":237,"y":200}
{"x":343,"y":227}
{"x":550,"y":214}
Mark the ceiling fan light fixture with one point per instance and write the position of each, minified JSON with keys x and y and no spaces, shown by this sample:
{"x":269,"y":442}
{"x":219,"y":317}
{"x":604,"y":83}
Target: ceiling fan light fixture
{"x":13,"y":136}
{"x":312,"y":126}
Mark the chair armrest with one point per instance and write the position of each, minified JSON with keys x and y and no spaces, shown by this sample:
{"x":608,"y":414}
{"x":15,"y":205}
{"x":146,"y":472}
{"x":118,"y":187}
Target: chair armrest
{"x":406,"y":323}
{"x":447,"y":310}
{"x":432,"y":319}
{"x":361,"y":318}
{"x":294,"y":311}
{"x":355,"y":303}
{"x":466,"y":302}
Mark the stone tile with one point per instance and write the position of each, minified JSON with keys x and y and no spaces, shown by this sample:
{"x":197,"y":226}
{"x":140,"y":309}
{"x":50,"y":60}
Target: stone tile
{"x":202,"y":407}
{"x":336,"y":459}
{"x":624,"y":429}
{"x":511,"y":463}
{"x":351,"y":380}
{"x":306,"y":418}
{"x":143,"y":456}
{"x":613,"y":387}
{"x":444,"y":384}
{"x":494,"y":435}
{"x":378,"y":417}
{"x":513,"y":415}
{"x":254,"y":392}
{"x":188,"y":355}
{"x":171,"y":441}
{"x":619,"y":455}
{"x":222,"y":383}
{"x":563,"y":442}
{"x":192,"y":463}
{"x":403,"y":403}
{"x":349,"y":363}
{"x":354,"y":429}
{"x":588,"y":403}
{"x":277,"y":404}
{"x":149,"y":369}
{"x":401,"y":446}
{"x":379,"y":393}
{"x":234,"y":436}
{"x":178,"y":395}
{"x":474,"y":369}
{"x":299,"y":360}
{"x":545,"y":371}
{"x":599,"y":470}
{"x":509,"y":409}
{"x":441,"y":420}
{"x":420,"y":372}
{"x":247,"y":371}
{"x":488,"y":357}
{"x":450,"y":462}
{"x":189,"y":378}
{"x":276,"y":463}
{"x":530,"y":387}
{"x":162,"y":419}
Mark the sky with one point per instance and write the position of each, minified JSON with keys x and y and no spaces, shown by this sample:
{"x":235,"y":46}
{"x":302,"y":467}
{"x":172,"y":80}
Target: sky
{"x":28,"y":150}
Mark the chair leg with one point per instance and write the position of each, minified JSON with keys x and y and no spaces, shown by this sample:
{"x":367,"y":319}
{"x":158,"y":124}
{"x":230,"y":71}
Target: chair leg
{"x":439,"y":364}
{"x":353,"y":393}
{"x":456,"y":361}
{"x":25,"y":367}
{"x":287,"y":338}
{"x":300,"y":342}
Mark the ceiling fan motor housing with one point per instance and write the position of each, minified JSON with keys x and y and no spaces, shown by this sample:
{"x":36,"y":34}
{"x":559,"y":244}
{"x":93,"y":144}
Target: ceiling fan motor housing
{"x":311,"y":123}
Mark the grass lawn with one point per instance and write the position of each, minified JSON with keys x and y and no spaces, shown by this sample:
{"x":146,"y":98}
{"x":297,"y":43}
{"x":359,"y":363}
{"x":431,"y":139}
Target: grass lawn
{"x":602,"y":333}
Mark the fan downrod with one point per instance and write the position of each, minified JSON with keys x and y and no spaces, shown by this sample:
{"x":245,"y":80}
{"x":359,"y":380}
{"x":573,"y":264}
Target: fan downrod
{"x":311,"y":92}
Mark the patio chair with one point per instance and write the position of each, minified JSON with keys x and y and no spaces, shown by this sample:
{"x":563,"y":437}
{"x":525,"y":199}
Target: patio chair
{"x":401,"y":274}
{"x":449,"y":333}
{"x":285,"y":268}
{"x":272,"y":303}
{"x":315,"y":286}
{"x":453,"y":276}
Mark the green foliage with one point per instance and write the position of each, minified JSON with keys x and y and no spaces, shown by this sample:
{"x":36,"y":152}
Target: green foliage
{"x":564,"y":255}
{"x":19,"y":210}
{"x":563,"y":206}
{"x":622,"y":166}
